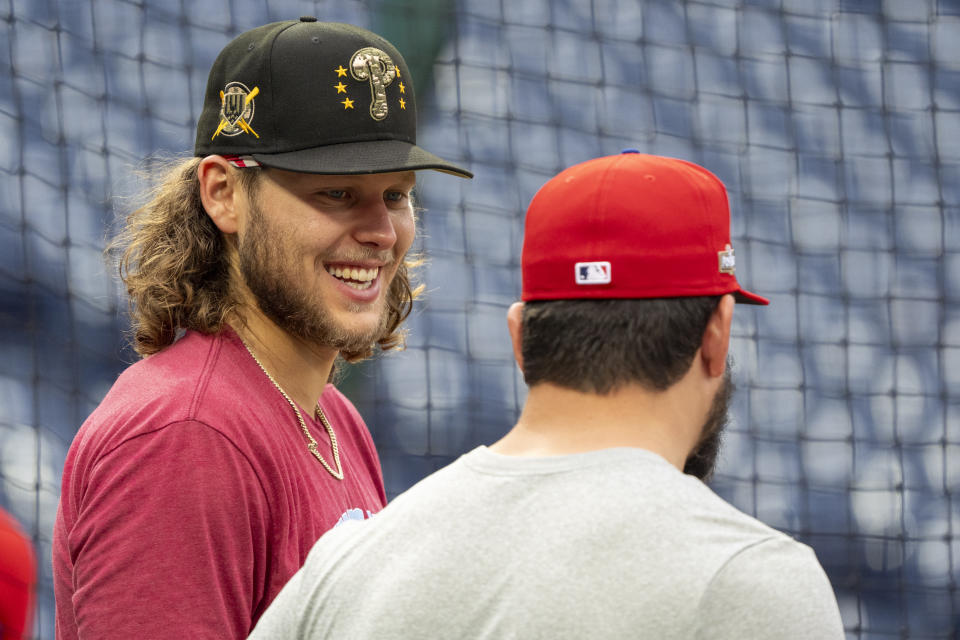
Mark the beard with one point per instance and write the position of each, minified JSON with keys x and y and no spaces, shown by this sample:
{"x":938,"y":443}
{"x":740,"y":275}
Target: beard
{"x":702,"y":461}
{"x":272,"y":278}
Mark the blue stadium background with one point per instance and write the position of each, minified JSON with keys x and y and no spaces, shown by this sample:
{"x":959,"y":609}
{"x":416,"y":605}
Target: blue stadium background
{"x":834,"y":124}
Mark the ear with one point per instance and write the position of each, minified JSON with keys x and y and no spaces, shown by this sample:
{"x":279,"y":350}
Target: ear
{"x":515,"y":325}
{"x":218,"y":192}
{"x":716,"y":337}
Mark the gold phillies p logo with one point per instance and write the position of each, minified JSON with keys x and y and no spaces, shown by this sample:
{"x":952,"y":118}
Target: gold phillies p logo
{"x":376,"y":67}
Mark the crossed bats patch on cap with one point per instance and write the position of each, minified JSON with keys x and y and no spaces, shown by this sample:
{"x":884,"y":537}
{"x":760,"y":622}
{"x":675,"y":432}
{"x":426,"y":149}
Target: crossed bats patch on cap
{"x":368,"y":65}
{"x":236,"y":110}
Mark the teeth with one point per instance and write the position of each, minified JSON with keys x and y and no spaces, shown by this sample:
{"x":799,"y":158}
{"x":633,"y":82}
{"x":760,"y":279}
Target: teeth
{"x":362,"y":276}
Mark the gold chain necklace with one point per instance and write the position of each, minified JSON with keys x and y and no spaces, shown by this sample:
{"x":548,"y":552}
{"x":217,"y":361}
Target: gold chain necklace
{"x":311,"y":442}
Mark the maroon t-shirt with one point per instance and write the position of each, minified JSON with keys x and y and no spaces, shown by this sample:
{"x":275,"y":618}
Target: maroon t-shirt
{"x":189,"y":496}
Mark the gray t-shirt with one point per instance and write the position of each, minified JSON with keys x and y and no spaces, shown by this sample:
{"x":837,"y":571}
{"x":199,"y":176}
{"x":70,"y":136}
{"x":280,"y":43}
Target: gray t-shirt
{"x":608,"y":544}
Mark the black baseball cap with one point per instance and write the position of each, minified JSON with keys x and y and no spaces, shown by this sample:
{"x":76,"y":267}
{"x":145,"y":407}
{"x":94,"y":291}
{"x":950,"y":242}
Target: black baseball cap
{"x":314,"y":97}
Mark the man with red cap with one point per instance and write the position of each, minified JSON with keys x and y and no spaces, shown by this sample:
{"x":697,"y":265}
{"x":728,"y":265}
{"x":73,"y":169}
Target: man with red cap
{"x":590,"y":518}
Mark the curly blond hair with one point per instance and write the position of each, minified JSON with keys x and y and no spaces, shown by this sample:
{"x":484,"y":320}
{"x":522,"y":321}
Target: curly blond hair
{"x":180,"y":273}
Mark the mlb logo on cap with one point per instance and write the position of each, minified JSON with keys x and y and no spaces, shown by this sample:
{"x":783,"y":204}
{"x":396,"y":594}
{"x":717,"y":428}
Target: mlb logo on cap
{"x":592,"y":272}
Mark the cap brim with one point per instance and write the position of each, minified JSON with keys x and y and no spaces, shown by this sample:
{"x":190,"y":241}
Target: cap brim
{"x":745,"y":297}
{"x":369,"y":156}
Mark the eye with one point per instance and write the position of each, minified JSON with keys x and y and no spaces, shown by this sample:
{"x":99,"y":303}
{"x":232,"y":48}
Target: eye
{"x":395,"y":196}
{"x":334,"y":194}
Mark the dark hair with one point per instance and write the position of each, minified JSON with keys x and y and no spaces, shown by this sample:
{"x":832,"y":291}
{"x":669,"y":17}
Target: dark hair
{"x":597,"y":346}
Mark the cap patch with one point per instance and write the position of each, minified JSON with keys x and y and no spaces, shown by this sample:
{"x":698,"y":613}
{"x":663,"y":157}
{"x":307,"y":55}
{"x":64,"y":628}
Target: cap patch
{"x":236,"y":110}
{"x":728,"y":263}
{"x":592,"y":272}
{"x":378,"y":69}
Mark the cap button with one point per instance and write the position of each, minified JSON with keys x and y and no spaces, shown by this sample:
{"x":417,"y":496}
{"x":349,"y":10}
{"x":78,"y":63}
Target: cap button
{"x":307,"y":19}
{"x":630,"y":151}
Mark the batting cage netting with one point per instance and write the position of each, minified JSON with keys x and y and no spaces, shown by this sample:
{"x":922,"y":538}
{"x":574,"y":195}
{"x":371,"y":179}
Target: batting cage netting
{"x":835,"y":125}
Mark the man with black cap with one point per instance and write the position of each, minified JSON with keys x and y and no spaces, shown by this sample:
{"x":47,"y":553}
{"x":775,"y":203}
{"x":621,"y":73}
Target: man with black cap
{"x":197,"y":487}
{"x":589,"y":519}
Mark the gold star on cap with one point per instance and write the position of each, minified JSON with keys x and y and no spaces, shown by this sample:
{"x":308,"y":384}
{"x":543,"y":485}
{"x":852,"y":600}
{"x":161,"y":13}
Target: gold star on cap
{"x":347,"y":103}
{"x":341,"y":72}
{"x":403,"y":103}
{"x":401,"y":88}
{"x":342,"y":88}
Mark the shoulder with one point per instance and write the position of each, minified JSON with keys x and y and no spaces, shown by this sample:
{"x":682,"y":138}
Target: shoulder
{"x":173,"y":471}
{"x":774,"y":588}
{"x":154,"y":454}
{"x":172,"y":379}
{"x":194,"y":399}
{"x":767,"y":559}
{"x":685,"y":519}
{"x":703,"y":511}
{"x":642,"y":482}
{"x":200,"y":378}
{"x":176,"y":365}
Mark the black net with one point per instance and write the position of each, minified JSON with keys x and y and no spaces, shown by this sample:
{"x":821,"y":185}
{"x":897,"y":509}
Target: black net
{"x":834,"y":125}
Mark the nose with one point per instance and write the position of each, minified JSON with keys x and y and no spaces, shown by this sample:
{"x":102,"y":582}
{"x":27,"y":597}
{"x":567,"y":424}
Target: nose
{"x":374,"y":225}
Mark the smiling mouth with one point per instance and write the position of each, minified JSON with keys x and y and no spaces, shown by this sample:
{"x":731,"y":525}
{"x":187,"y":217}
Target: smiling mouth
{"x":357,"y":278}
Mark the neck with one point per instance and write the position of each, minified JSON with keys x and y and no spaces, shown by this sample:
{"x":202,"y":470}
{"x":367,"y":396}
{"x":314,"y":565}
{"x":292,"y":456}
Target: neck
{"x":300,"y":367}
{"x":559,"y":421}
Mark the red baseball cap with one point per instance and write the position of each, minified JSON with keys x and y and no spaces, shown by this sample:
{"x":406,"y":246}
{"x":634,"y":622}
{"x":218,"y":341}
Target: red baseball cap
{"x":630,"y":226}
